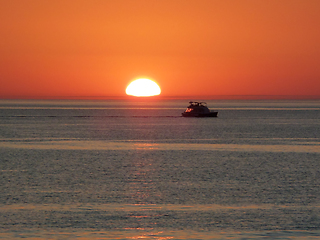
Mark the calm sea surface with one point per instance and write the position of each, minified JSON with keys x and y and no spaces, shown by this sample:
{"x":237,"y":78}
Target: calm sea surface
{"x":137,"y":170}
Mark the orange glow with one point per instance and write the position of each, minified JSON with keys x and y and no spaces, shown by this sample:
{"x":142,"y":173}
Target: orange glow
{"x":143,"y":88}
{"x":207,"y":48}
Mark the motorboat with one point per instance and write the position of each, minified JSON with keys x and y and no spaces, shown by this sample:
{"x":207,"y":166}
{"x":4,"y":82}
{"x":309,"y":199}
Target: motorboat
{"x":199,"y":109}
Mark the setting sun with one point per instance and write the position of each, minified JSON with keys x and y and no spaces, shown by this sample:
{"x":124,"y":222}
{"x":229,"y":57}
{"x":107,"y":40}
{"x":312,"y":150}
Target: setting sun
{"x":143,"y":88}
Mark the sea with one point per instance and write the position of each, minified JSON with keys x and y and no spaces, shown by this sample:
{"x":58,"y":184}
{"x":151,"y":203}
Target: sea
{"x":136,"y":169}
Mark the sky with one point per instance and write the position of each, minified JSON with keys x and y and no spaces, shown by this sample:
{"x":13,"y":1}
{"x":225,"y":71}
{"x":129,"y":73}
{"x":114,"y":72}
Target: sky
{"x":95,"y":48}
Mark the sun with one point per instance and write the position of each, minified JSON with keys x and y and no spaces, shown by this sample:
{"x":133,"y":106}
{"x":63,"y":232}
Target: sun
{"x":143,"y":87}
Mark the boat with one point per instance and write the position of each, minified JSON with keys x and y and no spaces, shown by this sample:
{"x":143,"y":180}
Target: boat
{"x":199,"y":109}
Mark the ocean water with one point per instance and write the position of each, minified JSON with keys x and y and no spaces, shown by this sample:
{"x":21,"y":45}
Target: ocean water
{"x":138,"y":170}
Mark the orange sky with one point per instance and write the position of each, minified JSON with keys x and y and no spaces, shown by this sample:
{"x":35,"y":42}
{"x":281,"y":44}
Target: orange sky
{"x":77,"y":48}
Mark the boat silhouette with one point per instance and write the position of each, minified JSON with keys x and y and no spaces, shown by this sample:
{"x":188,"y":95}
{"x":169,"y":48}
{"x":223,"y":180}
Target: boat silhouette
{"x":199,"y":109}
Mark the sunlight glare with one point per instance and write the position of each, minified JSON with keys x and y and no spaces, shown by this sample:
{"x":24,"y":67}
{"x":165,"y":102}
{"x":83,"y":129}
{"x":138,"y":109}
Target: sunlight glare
{"x":143,"y":87}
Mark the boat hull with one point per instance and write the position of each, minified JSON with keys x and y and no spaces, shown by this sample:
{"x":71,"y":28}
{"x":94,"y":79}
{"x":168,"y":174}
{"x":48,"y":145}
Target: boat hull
{"x":200,"y":115}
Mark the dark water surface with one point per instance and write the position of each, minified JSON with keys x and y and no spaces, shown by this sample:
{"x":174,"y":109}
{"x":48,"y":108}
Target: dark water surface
{"x":137,"y":170}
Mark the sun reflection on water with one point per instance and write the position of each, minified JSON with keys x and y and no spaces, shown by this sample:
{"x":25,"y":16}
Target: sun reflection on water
{"x":146,"y":146}
{"x":140,"y":177}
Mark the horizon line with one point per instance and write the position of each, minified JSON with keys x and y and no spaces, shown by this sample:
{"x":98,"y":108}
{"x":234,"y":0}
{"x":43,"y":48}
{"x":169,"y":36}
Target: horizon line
{"x":207,"y":97}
